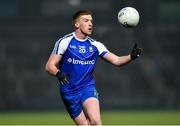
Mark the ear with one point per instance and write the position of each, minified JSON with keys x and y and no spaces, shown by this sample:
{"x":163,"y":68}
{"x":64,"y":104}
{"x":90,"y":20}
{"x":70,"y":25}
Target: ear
{"x":76,"y":25}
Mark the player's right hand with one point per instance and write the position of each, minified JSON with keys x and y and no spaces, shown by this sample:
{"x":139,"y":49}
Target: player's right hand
{"x":62,"y":78}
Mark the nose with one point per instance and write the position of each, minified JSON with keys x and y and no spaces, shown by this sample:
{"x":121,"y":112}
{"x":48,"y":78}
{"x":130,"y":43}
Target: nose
{"x":90,"y":23}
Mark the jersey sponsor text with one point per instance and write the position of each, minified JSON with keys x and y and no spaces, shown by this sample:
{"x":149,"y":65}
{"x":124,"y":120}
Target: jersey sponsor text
{"x":76,"y":61}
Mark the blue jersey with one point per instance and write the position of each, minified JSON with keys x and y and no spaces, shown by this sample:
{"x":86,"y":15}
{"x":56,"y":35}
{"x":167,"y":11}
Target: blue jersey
{"x":78,"y":60}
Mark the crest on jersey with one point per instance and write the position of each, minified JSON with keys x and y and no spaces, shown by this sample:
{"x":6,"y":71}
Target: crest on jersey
{"x":91,"y":49}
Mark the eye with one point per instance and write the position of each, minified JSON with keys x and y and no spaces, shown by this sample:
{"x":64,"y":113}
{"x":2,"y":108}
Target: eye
{"x":86,"y":20}
{"x":91,"y":21}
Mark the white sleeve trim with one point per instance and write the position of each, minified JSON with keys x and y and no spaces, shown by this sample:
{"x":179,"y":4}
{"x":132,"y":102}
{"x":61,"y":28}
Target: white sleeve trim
{"x":100,"y":46}
{"x":61,"y":46}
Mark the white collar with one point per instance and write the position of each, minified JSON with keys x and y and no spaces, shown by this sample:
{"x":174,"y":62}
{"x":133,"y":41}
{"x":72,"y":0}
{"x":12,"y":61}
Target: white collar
{"x":81,"y":40}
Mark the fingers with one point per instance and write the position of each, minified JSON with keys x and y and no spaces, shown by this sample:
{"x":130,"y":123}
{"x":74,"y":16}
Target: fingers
{"x":136,"y":52}
{"x":64,"y":81}
{"x":62,"y":78}
{"x":135,"y":46}
{"x":139,"y":51}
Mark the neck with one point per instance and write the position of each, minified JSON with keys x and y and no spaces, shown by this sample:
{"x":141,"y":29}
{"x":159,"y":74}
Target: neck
{"x":80,"y":35}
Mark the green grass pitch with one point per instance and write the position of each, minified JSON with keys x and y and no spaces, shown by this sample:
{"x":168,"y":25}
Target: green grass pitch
{"x":108,"y":118}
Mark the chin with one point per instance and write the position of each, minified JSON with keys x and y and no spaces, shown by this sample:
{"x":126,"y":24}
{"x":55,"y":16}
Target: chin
{"x":89,"y":33}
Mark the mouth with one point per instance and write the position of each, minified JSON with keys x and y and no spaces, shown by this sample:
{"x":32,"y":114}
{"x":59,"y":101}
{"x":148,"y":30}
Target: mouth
{"x":90,"y":29}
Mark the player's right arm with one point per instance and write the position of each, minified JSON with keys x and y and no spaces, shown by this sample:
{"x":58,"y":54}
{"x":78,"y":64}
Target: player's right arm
{"x":55,"y":57}
{"x":51,"y":65}
{"x":51,"y":68}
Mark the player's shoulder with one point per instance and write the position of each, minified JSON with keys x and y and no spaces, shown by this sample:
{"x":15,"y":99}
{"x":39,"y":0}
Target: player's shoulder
{"x":64,"y":39}
{"x":67,"y":36}
{"x":99,"y":45}
{"x":95,"y":42}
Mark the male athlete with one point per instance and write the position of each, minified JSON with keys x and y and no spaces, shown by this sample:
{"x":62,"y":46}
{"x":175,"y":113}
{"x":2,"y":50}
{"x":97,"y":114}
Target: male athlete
{"x":73,"y":60}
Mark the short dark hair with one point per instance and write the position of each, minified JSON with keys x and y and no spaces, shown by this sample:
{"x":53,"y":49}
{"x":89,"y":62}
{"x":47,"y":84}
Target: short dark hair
{"x":80,"y":13}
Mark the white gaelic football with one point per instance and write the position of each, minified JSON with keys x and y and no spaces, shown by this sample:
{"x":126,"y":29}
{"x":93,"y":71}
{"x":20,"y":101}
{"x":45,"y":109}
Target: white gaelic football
{"x":128,"y":17}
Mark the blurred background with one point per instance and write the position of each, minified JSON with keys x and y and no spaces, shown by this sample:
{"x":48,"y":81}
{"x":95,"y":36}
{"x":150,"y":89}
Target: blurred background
{"x":29,"y":29}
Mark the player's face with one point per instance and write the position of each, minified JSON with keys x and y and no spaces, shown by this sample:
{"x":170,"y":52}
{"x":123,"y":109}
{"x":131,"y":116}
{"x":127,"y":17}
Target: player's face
{"x":85,"y":24}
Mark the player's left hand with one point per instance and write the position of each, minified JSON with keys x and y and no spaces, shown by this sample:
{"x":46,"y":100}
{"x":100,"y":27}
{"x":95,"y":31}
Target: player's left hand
{"x":136,"y":52}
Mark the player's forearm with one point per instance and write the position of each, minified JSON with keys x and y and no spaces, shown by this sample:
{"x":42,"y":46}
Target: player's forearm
{"x":117,"y":60}
{"x":51,"y":69}
{"x":123,"y":60}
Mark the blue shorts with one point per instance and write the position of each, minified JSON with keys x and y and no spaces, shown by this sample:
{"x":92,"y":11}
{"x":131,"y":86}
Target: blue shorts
{"x":74,"y":102}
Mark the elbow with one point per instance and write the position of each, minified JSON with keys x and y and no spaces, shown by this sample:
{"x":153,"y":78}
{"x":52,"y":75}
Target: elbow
{"x":47,"y":68}
{"x":50,"y":68}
